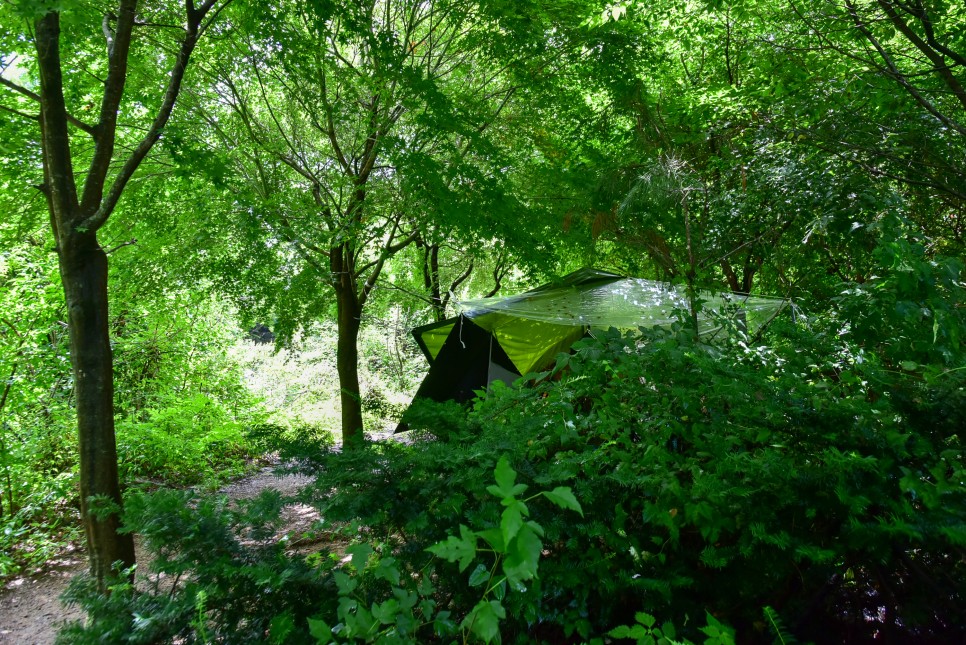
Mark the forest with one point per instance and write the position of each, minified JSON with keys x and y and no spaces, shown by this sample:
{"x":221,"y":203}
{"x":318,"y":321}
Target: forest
{"x":221,"y":219}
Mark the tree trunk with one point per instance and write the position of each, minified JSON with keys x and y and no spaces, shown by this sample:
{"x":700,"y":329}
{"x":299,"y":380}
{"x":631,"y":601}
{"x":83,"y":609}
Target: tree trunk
{"x":347,"y":362}
{"x":83,"y":270}
{"x":431,"y":279}
{"x":75,"y":219}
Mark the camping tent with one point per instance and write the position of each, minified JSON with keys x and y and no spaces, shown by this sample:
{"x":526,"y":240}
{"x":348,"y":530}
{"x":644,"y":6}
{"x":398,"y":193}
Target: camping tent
{"x":504,"y":338}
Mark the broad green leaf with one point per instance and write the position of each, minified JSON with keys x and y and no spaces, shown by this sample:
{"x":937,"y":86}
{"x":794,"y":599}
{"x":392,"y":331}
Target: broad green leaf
{"x":387,"y":570}
{"x":484,"y":620}
{"x":345,"y":583}
{"x":360,"y":622}
{"x":717,"y":633}
{"x":620,"y":632}
{"x":385,"y":612}
{"x":563,"y":497}
{"x":479,"y":576}
{"x":360,"y":555}
{"x":667,"y":628}
{"x":493,"y":537}
{"x":320,"y":631}
{"x":645,"y":619}
{"x":407,"y":599}
{"x":426,"y":586}
{"x":454,"y":548}
{"x":512,"y":520}
{"x":505,"y":477}
{"x":522,"y":556}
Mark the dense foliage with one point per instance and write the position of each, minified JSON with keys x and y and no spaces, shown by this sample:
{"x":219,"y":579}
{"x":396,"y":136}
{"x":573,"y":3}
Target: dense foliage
{"x":182,"y":407}
{"x":344,"y":170}
{"x":810,"y":487}
{"x":811,"y":479}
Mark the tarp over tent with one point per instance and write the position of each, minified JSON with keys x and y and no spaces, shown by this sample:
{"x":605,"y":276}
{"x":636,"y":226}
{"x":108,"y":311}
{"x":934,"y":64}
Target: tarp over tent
{"x":503,"y":338}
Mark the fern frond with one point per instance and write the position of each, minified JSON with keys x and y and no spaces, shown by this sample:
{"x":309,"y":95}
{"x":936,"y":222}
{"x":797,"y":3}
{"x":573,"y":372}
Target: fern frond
{"x":777,"y":627}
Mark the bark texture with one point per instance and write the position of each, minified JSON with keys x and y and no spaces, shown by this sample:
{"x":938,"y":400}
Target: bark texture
{"x":75,"y":218}
{"x":83,"y":270}
{"x":347,"y":362}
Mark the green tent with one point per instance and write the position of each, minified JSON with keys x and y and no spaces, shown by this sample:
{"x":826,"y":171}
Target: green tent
{"x":503,"y":338}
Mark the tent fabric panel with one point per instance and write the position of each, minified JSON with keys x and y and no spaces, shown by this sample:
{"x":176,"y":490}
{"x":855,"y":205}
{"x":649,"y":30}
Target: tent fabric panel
{"x":497,"y":372}
{"x":531,"y":344}
{"x":579,"y":278}
{"x":462,"y":365}
{"x":431,"y":338}
{"x":626,"y":303}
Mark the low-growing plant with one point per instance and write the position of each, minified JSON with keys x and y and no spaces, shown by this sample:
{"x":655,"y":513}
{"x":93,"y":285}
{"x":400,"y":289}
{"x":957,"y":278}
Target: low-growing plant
{"x":806,"y":477}
{"x":186,"y":440}
{"x":221,"y":574}
{"x":217,"y":575}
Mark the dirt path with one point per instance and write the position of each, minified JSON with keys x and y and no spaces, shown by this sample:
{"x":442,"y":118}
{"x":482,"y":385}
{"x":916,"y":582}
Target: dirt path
{"x":30,"y":607}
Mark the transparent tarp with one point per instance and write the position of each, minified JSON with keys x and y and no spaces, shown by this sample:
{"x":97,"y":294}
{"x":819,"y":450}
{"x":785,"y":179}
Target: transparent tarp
{"x":534,"y":326}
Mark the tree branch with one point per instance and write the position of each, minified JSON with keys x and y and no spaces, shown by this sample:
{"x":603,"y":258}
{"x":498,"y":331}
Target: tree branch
{"x":89,"y":129}
{"x":927,"y":49}
{"x":58,"y":164}
{"x":893,"y":71}
{"x":29,"y":117}
{"x":118,"y":48}
{"x":107,"y":204}
{"x":130,"y":242}
{"x":444,"y":300}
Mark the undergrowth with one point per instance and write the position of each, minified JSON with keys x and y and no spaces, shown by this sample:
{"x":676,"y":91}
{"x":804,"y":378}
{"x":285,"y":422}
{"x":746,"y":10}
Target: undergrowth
{"x":803,"y":491}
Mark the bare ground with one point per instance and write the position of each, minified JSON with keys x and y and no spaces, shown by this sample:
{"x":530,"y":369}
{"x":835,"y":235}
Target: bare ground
{"x":30,"y":606}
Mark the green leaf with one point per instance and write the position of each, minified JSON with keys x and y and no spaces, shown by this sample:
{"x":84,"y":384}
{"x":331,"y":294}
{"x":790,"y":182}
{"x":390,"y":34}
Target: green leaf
{"x":718,"y":633}
{"x":281,"y":627}
{"x":522,"y":556}
{"x":345,"y":583}
{"x":620,"y":632}
{"x":667,"y":628}
{"x":320,"y":631}
{"x":645,"y":619}
{"x":386,"y":612}
{"x":499,"y":589}
{"x":505,"y":480}
{"x":426,"y":586}
{"x":388,"y":571}
{"x":454,"y":548}
{"x":512,"y":520}
{"x":484,"y":620}
{"x":360,"y":555}
{"x":479,"y":576}
{"x":360,"y":622}
{"x":563,"y":497}
{"x":493,"y":537}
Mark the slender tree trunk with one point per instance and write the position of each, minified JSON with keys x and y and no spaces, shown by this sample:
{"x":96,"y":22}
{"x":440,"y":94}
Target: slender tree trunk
{"x":431,"y":273}
{"x":83,"y":270}
{"x":75,"y":218}
{"x":347,"y":362}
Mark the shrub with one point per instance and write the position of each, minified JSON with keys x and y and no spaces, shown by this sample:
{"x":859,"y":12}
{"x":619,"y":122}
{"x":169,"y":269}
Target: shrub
{"x":804,"y":478}
{"x":229,"y":579}
{"x":185,"y":440}
{"x":219,"y":576}
{"x":803,"y":490}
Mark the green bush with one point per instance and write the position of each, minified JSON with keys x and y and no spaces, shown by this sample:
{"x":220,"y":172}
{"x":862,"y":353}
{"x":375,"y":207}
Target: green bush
{"x":231,"y":581}
{"x":218,"y":575}
{"x":805,"y":478}
{"x":184,"y":441}
{"x":180,"y":401}
{"x":811,"y":489}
